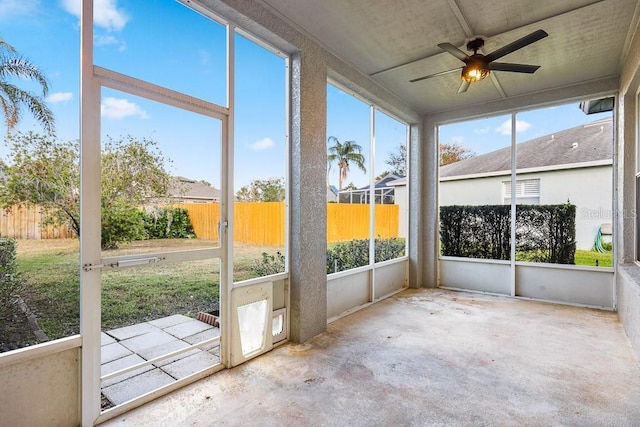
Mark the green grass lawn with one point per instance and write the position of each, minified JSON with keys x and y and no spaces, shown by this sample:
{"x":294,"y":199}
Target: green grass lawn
{"x":590,"y":257}
{"x":129,"y":295}
{"x":582,"y":257}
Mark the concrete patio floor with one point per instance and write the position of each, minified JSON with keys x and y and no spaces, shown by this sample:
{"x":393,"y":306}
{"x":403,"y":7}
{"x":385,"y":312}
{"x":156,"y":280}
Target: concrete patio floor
{"x":427,"y":357}
{"x":130,"y":345}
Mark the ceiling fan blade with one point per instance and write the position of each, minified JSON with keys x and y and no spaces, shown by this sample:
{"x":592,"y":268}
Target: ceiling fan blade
{"x":516,"y":68}
{"x":463,"y":87}
{"x":518,"y":44}
{"x":454,"y":51}
{"x":441,"y":73}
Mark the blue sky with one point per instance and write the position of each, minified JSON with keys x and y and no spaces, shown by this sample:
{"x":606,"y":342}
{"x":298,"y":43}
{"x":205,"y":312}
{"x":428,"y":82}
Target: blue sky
{"x":184,"y":51}
{"x":348,"y":119}
{"x":178,"y":49}
{"x":489,"y":134}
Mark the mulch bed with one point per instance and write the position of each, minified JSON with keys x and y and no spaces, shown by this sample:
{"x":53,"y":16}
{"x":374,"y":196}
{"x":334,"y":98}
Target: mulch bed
{"x":15,"y":330}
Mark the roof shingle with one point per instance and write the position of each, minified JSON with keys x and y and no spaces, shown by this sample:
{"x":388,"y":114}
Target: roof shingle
{"x":580,"y":144}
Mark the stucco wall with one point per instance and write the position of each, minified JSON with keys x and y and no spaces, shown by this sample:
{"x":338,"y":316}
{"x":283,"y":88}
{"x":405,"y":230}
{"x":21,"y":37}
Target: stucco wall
{"x":628,"y":277}
{"x":478,"y":191}
{"x":628,"y":293}
{"x":41,"y":386}
{"x":590,"y":189}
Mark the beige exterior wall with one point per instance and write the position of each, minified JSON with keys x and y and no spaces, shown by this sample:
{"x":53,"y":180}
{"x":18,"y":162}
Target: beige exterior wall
{"x":401,"y":199}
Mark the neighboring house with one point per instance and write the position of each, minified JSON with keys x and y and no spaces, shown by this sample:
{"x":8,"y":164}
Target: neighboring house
{"x":332,"y":193}
{"x":185,"y":190}
{"x":384,"y":193}
{"x":401,"y":198}
{"x":573,"y":165}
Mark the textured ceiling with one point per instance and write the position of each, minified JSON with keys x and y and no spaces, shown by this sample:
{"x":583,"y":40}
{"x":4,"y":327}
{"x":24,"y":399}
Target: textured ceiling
{"x":394,"y":41}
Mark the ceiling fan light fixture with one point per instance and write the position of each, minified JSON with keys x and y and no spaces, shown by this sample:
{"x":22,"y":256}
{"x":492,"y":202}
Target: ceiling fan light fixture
{"x":473,"y":73}
{"x":477,"y":66}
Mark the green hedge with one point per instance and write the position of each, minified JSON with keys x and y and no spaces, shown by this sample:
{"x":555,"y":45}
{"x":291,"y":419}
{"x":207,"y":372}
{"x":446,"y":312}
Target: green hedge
{"x":355,"y":253}
{"x":544,"y":233}
{"x":343,"y":256}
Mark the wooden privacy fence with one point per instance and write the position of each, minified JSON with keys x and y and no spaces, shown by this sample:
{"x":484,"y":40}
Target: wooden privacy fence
{"x":257,"y":223}
{"x":350,"y":221}
{"x":25,"y":222}
{"x":262,"y":223}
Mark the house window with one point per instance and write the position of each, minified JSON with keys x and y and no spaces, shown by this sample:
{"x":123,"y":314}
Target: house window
{"x":527,"y":192}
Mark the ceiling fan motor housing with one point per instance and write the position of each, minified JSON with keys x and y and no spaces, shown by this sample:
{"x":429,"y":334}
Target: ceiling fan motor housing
{"x":475,"y":45}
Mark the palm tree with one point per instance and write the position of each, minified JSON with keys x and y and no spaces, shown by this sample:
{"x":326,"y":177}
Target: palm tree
{"x":12,"y":98}
{"x":343,"y":154}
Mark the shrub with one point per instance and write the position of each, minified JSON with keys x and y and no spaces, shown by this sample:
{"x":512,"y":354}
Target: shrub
{"x":343,"y":256}
{"x":355,"y":253}
{"x":547,"y":233}
{"x":387,"y":249}
{"x":121,"y":223}
{"x":10,"y":282}
{"x":347,"y":255}
{"x":268,"y":264}
{"x":544,"y":233}
{"x":168,"y":223}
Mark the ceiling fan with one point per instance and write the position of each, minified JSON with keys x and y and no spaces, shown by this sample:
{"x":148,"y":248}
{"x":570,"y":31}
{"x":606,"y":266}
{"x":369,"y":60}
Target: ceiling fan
{"x":478,"y":66}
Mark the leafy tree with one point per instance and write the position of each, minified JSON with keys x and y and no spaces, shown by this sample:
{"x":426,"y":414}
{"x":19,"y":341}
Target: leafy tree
{"x":350,"y":186}
{"x":383,"y":175}
{"x":398,"y":161}
{"x":262,"y":190}
{"x":343,"y":154}
{"x":12,"y":98}
{"x":45,"y":172}
{"x":453,"y":152}
{"x":133,"y":171}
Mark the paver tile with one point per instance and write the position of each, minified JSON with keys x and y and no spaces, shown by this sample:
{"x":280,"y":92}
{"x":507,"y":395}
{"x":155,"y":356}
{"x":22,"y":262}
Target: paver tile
{"x":148,"y":340}
{"x":113,"y":351}
{"x":166,"y":322}
{"x":105,"y":339}
{"x":159,"y":350}
{"x":190,"y":365}
{"x":204,"y":335}
{"x":131,"y":331}
{"x":137,"y":386}
{"x":122,"y":363}
{"x":188,"y":328}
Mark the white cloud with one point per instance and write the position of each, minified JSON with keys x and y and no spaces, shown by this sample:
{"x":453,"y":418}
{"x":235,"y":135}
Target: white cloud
{"x":106,"y":13}
{"x":105,"y":40}
{"x":263,"y":144}
{"x":505,"y":128}
{"x":57,"y":97}
{"x":110,"y":41}
{"x":457,"y":140}
{"x":118,"y":108}
{"x":482,"y":131}
{"x":205,"y":57}
{"x":11,"y":8}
